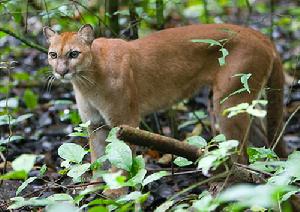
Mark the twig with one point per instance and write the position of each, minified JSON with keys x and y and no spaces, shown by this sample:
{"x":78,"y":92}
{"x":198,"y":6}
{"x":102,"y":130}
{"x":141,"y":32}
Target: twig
{"x":218,"y":176}
{"x":47,"y":11}
{"x":23,"y":40}
{"x":285,"y":125}
{"x":206,"y":13}
{"x":158,"y":142}
{"x":92,"y":13}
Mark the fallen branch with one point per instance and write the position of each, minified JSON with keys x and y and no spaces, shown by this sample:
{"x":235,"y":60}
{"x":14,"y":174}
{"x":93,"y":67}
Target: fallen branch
{"x":158,"y":142}
{"x":23,"y":40}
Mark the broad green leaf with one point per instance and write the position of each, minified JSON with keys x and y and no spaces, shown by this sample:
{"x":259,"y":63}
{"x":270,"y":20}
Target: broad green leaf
{"x":71,"y":152}
{"x":230,"y":144}
{"x":137,"y":171}
{"x":256,"y":154}
{"x":206,"y":163}
{"x":14,"y":175}
{"x":62,"y":207}
{"x":266,"y":196}
{"x":23,"y":118}
{"x":256,"y":112}
{"x":19,"y":202}
{"x":119,"y":154}
{"x":98,"y":209}
{"x":12,"y":102}
{"x":130,"y":197}
{"x":219,"y":138}
{"x":114,"y":180}
{"x":181,"y":161}
{"x":11,"y":139}
{"x":60,"y":197}
{"x":30,"y":99}
{"x":205,"y":203}
{"x":153,"y":177}
{"x":165,"y":206}
{"x":112,"y":135}
{"x":197,"y":141}
{"x":24,"y":162}
{"x":25,"y":184}
{"x":77,"y":170}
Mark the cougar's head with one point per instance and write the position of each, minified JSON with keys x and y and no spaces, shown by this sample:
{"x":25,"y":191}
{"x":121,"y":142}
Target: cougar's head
{"x":69,"y":53}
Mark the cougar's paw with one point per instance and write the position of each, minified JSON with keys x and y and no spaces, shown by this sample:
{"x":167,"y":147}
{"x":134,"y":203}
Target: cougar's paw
{"x":115,"y":193}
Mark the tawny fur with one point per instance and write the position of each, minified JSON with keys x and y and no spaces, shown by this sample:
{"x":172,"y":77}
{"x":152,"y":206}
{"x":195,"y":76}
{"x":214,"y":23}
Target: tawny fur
{"x":129,"y":79}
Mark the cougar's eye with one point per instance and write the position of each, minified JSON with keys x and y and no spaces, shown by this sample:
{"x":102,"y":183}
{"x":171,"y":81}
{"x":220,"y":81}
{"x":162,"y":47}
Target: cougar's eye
{"x":74,"y":54}
{"x":53,"y":55}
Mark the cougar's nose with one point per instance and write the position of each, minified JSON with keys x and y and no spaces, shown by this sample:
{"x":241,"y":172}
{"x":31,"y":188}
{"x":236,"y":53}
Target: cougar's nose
{"x":63,"y":72}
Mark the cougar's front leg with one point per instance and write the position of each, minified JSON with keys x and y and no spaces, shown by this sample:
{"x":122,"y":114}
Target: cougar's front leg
{"x":97,"y":134}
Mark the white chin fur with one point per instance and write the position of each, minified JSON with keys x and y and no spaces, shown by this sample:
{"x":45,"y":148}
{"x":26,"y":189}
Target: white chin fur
{"x":67,"y":78}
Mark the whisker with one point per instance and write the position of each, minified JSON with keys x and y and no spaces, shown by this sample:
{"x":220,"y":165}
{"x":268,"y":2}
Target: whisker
{"x":87,"y":79}
{"x":50,"y":81}
{"x":51,"y":84}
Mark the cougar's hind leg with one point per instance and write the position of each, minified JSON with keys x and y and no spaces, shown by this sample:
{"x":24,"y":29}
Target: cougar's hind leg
{"x":238,"y":126}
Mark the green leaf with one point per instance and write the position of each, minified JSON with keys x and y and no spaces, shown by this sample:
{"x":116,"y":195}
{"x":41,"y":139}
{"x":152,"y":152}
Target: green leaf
{"x":230,"y":144}
{"x":30,"y":99}
{"x":112,"y":135}
{"x":60,"y":197}
{"x":14,"y":175}
{"x":129,"y":197}
{"x":256,"y":112}
{"x":12,"y":102}
{"x":197,"y":141}
{"x":62,"y":102}
{"x":165,"y":206}
{"x":114,"y":180}
{"x":119,"y":154}
{"x":25,"y":184}
{"x":208,"y":41}
{"x":206,"y":163}
{"x":77,"y":170}
{"x":23,"y":118}
{"x":62,"y":207}
{"x":97,"y":209}
{"x":79,"y":134}
{"x":153,"y":177}
{"x":24,"y":162}
{"x":256,"y":154}
{"x":138,"y":171}
{"x":43,"y":170}
{"x":224,"y":54}
{"x":11,"y":139}
{"x":181,"y":161}
{"x":266,"y":196}
{"x":71,"y":152}
{"x":205,"y":202}
{"x":19,"y":202}
{"x":219,"y":138}
{"x":244,"y":80}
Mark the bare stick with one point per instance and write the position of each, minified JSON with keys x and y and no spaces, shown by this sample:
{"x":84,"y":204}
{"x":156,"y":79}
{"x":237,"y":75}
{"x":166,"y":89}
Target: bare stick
{"x":158,"y":142}
{"x":23,"y":40}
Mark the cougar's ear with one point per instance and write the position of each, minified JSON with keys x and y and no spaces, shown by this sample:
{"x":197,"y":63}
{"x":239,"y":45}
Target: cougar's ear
{"x":86,"y":32}
{"x":48,"y":33}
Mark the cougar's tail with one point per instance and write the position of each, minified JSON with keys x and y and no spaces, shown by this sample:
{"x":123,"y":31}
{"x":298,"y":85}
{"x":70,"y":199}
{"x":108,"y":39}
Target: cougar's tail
{"x":275,"y":107}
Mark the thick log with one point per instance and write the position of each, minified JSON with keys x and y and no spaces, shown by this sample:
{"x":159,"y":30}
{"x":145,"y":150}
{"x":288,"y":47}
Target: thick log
{"x":158,"y":142}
